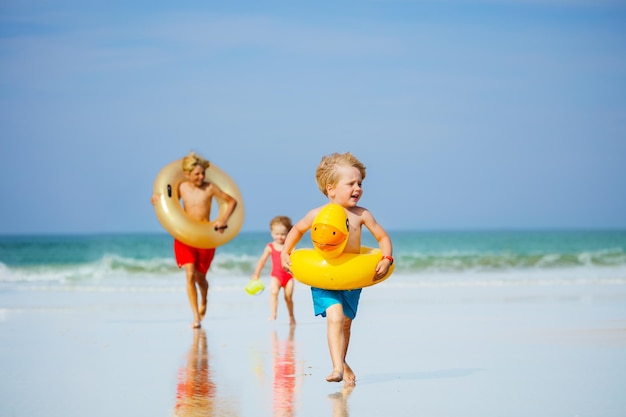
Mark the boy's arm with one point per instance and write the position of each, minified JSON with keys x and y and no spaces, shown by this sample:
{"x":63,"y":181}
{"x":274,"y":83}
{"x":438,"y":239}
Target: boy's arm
{"x":293,"y":237}
{"x":384,"y":242}
{"x":231,"y":202}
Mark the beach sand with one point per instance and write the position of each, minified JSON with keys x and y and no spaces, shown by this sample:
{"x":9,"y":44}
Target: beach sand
{"x":517,"y":350}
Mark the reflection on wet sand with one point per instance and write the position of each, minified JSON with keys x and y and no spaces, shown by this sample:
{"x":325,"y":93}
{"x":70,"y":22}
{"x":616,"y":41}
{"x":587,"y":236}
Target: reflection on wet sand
{"x":284,"y":365}
{"x":340,"y":401}
{"x":196,"y":391}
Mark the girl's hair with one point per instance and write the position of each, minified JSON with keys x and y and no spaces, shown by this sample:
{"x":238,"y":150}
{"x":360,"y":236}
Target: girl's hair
{"x":326,"y":173}
{"x":284,"y":220}
{"x":192,"y":160}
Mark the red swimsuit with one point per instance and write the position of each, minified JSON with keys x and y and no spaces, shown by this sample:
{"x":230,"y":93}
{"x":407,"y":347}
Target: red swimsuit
{"x":277,"y":269}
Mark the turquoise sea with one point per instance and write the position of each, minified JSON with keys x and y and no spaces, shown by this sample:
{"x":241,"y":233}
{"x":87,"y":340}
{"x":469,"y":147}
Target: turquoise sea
{"x":131,"y":262}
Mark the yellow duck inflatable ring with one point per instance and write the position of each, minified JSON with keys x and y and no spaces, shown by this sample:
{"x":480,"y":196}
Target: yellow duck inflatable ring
{"x":173,"y":218}
{"x":325,"y":266}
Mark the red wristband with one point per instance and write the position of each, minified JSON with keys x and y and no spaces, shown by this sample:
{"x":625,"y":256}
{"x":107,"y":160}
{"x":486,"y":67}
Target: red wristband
{"x":390,"y":258}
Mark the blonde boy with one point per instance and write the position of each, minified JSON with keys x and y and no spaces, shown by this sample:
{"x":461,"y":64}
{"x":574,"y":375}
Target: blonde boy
{"x":197,"y":195}
{"x":340,"y":178}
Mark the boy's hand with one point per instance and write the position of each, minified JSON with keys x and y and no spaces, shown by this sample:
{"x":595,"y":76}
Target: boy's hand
{"x":285,"y":262}
{"x":219,"y":228}
{"x":381,"y":269}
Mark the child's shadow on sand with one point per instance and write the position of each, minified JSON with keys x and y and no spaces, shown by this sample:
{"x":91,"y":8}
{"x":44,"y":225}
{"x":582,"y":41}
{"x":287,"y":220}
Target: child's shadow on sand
{"x":442,"y":373}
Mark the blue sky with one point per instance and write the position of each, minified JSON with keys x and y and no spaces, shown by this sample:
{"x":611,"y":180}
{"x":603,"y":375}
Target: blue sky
{"x":467,"y":114}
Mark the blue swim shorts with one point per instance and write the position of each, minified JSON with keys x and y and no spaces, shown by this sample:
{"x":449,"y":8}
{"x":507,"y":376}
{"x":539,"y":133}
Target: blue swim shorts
{"x":349,"y":300}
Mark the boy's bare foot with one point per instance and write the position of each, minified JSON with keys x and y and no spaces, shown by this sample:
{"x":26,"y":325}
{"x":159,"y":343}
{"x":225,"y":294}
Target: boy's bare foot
{"x":336,"y":376}
{"x":271,"y":318}
{"x":348,"y":376}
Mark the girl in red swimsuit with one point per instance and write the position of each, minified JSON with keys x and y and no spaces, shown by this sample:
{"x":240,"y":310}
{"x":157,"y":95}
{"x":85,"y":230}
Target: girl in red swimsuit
{"x":279,"y":227}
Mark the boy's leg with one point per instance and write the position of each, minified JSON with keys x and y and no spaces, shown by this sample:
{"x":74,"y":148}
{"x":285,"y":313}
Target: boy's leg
{"x":348,"y":374}
{"x":192,"y":293}
{"x":202,"y":263}
{"x":350,"y":302}
{"x":336,"y":341}
{"x":347,"y":326}
{"x":203,"y":283}
{"x":288,"y":292}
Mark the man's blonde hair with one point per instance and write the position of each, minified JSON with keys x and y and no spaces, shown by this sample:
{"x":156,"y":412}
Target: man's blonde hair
{"x":192,"y":160}
{"x":326,"y":173}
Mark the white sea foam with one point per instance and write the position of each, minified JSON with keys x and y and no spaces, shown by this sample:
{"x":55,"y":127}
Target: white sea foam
{"x":518,"y":277}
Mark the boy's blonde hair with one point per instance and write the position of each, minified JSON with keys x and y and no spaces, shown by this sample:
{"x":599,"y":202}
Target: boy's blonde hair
{"x":284,"y":220}
{"x":192,"y":160}
{"x":326,"y":173}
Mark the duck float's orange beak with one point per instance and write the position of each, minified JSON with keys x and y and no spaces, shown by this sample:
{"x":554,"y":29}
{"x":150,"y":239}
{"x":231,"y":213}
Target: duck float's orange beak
{"x":329,"y":231}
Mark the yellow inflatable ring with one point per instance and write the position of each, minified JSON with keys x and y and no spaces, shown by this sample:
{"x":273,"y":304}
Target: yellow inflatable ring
{"x":173,"y":218}
{"x":348,"y":271}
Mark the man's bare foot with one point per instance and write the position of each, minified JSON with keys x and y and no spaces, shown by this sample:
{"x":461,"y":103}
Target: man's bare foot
{"x":202,"y":309}
{"x":348,"y":376}
{"x":292,"y":321}
{"x":336,"y":376}
{"x":196,"y":325}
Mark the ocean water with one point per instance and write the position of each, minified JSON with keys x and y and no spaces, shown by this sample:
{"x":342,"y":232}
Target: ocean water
{"x":145,"y":262}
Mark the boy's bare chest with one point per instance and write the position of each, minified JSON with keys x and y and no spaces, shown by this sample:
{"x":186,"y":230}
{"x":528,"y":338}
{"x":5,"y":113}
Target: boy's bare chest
{"x":354,"y":236}
{"x":195,"y":195}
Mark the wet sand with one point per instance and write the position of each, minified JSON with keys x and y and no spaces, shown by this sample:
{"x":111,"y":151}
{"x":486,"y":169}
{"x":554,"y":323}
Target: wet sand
{"x":417,"y":351}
